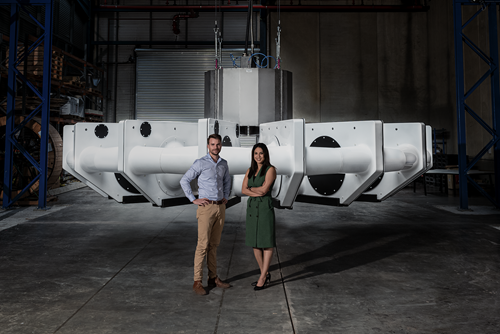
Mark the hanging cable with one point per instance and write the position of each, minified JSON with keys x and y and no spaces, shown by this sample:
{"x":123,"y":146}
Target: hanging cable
{"x":216,"y":32}
{"x":233,"y":59}
{"x":251,"y":26}
{"x":218,"y":40}
{"x":265,"y":58}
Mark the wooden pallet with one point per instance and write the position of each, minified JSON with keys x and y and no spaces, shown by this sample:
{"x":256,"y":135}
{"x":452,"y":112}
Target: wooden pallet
{"x":33,"y":102}
{"x":74,"y":84}
{"x":73,"y":117}
{"x":94,"y":90}
{"x":34,"y":62}
{"x":94,"y":118}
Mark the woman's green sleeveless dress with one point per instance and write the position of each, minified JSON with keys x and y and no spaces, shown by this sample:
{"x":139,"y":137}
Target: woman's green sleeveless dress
{"x":260,"y":216}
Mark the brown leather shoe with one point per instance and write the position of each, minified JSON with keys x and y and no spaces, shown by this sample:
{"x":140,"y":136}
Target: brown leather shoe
{"x":198,"y":288}
{"x":216,"y":282}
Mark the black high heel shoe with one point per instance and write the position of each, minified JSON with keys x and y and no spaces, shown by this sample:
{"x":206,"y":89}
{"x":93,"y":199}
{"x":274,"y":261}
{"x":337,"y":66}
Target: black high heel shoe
{"x":266,"y":282}
{"x":268,"y":278}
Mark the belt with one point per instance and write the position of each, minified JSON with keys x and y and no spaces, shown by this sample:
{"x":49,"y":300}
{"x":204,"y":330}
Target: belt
{"x":215,"y":202}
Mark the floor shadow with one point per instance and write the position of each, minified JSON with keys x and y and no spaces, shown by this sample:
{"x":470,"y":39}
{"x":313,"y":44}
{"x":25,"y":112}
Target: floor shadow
{"x":358,"y":246}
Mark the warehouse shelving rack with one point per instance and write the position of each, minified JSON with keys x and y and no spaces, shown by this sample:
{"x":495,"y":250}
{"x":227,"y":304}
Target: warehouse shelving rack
{"x":15,"y":59}
{"x":461,"y":39}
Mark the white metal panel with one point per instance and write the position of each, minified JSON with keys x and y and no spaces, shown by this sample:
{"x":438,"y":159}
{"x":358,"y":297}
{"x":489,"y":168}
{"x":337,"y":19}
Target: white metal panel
{"x":365,"y":134}
{"x":410,"y":140}
{"x":156,"y":186}
{"x":69,"y":158}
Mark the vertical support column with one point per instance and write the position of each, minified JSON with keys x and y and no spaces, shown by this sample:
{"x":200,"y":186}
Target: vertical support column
{"x":263,"y":30}
{"x":495,"y":93}
{"x":459,"y":77}
{"x":47,"y":75}
{"x":11,"y":105}
{"x":90,"y":35}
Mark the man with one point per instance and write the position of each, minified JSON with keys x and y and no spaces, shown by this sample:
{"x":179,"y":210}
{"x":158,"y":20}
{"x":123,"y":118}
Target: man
{"x":214,"y":186}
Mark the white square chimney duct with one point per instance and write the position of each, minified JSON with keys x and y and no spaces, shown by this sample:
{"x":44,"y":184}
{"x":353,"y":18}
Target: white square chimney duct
{"x":248,"y":96}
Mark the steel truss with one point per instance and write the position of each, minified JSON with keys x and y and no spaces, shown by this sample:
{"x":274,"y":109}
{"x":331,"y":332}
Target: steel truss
{"x":492,"y":73}
{"x":15,"y":59}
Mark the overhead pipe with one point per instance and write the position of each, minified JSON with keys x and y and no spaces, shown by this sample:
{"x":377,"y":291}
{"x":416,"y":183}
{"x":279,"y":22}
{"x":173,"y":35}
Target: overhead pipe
{"x":138,"y":43}
{"x":289,"y":8}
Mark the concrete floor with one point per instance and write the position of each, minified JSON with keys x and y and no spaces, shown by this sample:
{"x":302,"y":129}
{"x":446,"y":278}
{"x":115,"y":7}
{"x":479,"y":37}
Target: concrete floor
{"x":91,"y":265}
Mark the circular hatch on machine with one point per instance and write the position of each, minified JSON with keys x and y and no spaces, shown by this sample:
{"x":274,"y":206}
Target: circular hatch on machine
{"x":327,"y":184}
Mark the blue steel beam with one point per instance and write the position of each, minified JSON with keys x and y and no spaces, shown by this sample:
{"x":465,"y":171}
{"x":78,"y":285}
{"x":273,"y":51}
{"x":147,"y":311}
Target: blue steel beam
{"x":477,"y":50}
{"x":479,"y":119}
{"x":478,"y":83}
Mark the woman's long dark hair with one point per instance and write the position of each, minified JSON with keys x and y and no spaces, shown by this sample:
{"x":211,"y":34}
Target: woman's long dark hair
{"x":253,"y":165}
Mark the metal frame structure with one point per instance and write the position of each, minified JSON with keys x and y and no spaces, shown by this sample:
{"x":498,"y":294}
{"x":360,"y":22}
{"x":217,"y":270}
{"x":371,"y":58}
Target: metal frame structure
{"x":492,"y":61}
{"x":263,"y":9}
{"x":11,"y":143}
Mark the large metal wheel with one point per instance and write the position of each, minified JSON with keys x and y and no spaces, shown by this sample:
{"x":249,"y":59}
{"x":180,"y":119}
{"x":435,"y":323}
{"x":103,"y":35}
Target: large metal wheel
{"x":23,"y":171}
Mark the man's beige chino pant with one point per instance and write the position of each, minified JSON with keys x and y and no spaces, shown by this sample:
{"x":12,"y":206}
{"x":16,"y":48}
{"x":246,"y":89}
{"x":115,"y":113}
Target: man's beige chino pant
{"x":210,"y":224}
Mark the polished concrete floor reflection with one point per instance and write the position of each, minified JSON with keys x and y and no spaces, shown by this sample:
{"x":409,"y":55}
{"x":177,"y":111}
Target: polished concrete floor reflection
{"x":411,"y":264}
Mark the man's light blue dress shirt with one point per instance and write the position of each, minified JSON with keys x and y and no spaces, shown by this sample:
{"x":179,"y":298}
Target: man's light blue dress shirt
{"x":214,"y":181}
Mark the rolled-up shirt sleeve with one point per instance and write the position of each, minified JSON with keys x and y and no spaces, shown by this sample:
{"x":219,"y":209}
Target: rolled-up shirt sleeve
{"x":227,"y":183}
{"x":190,"y":175}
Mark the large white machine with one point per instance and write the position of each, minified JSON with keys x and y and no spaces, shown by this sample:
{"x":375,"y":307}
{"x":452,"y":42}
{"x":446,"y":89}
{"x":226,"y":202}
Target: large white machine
{"x":332,"y":163}
{"x":326,"y":163}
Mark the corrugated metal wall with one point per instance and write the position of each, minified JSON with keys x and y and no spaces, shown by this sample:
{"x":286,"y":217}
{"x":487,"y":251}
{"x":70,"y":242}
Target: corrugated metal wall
{"x":125,"y":91}
{"x":170,"y":83}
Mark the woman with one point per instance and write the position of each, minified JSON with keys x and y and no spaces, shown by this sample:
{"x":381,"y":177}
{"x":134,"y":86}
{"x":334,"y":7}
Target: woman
{"x":258,"y":183}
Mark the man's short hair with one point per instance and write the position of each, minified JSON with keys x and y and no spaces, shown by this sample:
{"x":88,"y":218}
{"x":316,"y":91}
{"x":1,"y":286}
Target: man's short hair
{"x":214,"y":136}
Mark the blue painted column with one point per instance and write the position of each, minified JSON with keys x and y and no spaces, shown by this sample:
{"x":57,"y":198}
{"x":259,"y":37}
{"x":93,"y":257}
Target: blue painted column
{"x":459,"y":79}
{"x":495,"y":94}
{"x":47,"y":76}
